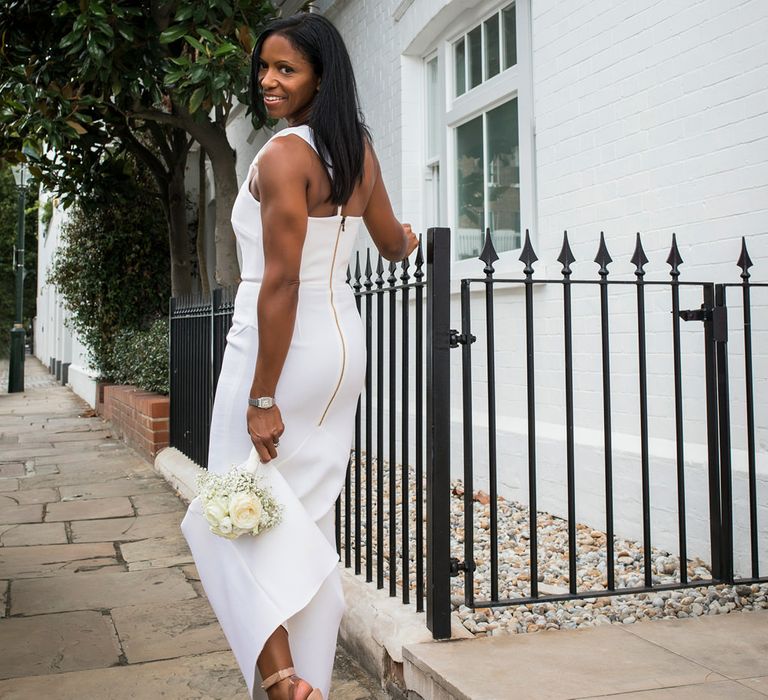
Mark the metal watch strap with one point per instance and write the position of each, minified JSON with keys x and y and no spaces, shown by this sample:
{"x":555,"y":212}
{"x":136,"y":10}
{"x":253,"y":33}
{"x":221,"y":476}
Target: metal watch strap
{"x":262,"y":402}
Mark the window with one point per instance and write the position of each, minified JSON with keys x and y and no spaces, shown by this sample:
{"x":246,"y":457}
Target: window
{"x":479,"y":161}
{"x":488,"y":181}
{"x":477,"y":55}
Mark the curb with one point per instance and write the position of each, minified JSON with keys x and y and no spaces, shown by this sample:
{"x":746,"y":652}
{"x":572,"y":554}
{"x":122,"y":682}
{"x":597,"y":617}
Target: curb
{"x":375,"y":627}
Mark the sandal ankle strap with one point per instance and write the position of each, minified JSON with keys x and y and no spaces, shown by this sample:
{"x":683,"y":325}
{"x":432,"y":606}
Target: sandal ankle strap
{"x":276,"y":677}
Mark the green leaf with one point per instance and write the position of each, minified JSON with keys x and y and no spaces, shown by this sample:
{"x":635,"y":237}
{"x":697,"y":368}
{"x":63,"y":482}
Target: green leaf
{"x":194,"y":43}
{"x":172,"y":34}
{"x":196,"y":100}
{"x":206,"y":34}
{"x":225,"y":49}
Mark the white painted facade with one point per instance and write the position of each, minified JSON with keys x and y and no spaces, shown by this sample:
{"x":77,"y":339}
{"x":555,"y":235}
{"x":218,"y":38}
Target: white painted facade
{"x":56,"y":345}
{"x":632,"y":117}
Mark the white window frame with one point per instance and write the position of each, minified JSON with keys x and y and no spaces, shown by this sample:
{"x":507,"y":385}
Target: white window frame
{"x":513,"y":82}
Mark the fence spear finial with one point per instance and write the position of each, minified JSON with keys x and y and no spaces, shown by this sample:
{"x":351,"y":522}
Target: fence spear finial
{"x":566,"y":256}
{"x":488,"y":255}
{"x":745,"y":262}
{"x":639,"y":258}
{"x":379,"y":271}
{"x":358,"y":274}
{"x":368,"y":270}
{"x":603,"y":257}
{"x":419,"y":260}
{"x":674,"y":259}
{"x":528,"y":255}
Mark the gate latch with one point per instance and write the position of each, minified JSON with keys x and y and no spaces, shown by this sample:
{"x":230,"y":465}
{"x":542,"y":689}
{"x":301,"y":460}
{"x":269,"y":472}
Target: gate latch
{"x":702,"y":314}
{"x":455,"y":338}
{"x":458,"y":566}
{"x":718,"y":315}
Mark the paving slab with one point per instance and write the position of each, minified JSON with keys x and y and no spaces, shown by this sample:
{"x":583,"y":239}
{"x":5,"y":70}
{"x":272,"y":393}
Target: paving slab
{"x":720,"y":690}
{"x":154,"y":552}
{"x":29,"y":496}
{"x":103,"y":590}
{"x":126,"y":529}
{"x":122,"y":486}
{"x":32,"y":534}
{"x":212,"y":676}
{"x":759,"y":684}
{"x":11,"y":468}
{"x":4,"y":585}
{"x":700,"y":640}
{"x":7,"y":485}
{"x":169,"y":630}
{"x":74,"y":435}
{"x":164,"y":502}
{"x":91,"y":509}
{"x":47,"y":560}
{"x":45,"y":644}
{"x":21,"y":514}
{"x":553,"y":665}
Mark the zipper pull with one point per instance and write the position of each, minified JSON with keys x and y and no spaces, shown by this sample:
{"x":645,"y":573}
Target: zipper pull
{"x":343,"y":221}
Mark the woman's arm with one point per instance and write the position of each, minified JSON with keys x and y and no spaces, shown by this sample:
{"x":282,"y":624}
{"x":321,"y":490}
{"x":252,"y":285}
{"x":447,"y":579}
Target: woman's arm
{"x":394,"y":240}
{"x":283,"y":195}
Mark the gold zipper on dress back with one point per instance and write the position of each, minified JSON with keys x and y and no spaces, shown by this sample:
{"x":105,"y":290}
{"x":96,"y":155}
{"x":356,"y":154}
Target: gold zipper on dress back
{"x":336,"y":319}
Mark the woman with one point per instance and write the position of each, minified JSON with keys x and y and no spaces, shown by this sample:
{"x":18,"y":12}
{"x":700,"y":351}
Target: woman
{"x":295,"y":358}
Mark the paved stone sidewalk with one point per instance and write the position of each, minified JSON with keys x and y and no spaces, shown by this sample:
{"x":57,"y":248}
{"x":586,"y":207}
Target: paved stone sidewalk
{"x":98,"y":593}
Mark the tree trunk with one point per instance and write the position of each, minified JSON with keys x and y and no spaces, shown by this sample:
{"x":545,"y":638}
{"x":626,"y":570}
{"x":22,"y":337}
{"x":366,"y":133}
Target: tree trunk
{"x":213,"y":138}
{"x":182,"y":281}
{"x":202,"y":205}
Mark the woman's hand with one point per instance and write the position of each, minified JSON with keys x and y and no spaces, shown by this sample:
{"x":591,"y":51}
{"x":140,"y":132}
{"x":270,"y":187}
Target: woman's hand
{"x":412,"y":240}
{"x":265,"y":426}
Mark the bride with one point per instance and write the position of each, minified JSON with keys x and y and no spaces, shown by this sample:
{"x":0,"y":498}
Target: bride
{"x":295,"y":359}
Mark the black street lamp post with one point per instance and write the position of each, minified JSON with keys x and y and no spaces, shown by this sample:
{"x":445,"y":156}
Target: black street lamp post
{"x":18,"y":336}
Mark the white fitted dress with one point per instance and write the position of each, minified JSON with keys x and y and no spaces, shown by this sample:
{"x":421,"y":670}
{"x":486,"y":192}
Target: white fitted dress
{"x":288,"y":575}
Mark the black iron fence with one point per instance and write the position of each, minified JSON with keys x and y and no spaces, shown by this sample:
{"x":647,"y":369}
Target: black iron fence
{"x":397,"y":517}
{"x":709,"y":310}
{"x":199,"y":327}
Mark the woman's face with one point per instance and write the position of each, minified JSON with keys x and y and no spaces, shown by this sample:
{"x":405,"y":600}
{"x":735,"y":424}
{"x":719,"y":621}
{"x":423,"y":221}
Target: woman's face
{"x":288,"y":81}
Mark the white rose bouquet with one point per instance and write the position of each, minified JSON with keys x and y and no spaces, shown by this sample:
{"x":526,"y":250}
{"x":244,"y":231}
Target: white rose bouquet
{"x":236,"y":503}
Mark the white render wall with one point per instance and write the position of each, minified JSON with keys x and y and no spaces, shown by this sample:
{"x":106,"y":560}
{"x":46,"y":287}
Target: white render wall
{"x":53,"y":337}
{"x":648,"y":116}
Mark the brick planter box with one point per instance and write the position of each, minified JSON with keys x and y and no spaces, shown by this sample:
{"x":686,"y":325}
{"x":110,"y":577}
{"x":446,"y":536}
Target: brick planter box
{"x":140,"y":418}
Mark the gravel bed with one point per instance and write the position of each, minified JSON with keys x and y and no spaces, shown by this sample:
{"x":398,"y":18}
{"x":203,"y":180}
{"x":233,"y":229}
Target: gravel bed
{"x":514,"y":575}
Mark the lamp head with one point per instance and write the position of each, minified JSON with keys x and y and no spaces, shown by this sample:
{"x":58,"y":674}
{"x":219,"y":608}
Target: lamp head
{"x":20,"y":175}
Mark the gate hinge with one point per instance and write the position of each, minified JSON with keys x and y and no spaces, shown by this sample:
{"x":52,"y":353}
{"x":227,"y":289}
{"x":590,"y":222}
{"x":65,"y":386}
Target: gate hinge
{"x":458,"y":566}
{"x":456,"y":338}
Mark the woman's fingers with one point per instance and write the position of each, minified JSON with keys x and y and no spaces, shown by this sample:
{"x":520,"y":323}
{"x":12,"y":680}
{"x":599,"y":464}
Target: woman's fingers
{"x":265,"y":428}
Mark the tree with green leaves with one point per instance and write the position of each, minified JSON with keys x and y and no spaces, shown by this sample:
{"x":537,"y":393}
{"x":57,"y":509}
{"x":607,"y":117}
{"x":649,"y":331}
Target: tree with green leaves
{"x":9,"y":201}
{"x":80,"y":80}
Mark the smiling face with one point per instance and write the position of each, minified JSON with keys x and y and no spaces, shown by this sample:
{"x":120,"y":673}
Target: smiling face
{"x":287,"y":79}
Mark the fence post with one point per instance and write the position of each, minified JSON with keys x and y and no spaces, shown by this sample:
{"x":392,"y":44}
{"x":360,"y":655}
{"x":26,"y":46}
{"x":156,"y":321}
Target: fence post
{"x":720,"y":332}
{"x":438,"y":433}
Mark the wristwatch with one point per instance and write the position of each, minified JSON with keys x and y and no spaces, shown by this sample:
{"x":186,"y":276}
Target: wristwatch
{"x":262,"y":402}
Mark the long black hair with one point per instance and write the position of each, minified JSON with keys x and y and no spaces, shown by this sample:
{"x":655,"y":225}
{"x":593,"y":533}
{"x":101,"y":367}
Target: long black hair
{"x":335,"y":117}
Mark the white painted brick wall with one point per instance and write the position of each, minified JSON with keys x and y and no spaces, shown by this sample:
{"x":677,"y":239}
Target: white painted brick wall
{"x":650,"y":116}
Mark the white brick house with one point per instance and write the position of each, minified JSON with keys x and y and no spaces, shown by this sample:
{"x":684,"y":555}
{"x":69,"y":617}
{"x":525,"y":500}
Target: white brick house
{"x":589,"y":116}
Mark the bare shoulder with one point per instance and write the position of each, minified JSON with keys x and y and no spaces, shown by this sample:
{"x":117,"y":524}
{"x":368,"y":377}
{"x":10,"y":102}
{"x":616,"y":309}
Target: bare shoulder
{"x":285,"y":159}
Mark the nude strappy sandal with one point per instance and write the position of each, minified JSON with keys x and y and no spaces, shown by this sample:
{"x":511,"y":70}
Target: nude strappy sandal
{"x":290,"y":672}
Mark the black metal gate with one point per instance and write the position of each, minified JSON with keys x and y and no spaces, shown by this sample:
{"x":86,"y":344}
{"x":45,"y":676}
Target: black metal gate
{"x":711,"y":312}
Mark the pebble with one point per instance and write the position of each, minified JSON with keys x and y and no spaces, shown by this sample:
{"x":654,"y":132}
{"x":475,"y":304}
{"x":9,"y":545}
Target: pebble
{"x":591,"y":570}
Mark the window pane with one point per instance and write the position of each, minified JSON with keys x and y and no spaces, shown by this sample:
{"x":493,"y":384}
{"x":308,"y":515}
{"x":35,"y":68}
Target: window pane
{"x":510,"y":36}
{"x":433,"y":110}
{"x":461,"y":74}
{"x":503,"y":176}
{"x":492,"y":58}
{"x":475,"y":57}
{"x":469,"y":185}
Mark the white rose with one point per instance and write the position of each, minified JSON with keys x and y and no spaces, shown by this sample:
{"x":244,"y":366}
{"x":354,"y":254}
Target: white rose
{"x":216,"y":510}
{"x":245,"y":511}
{"x":224,"y":526}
